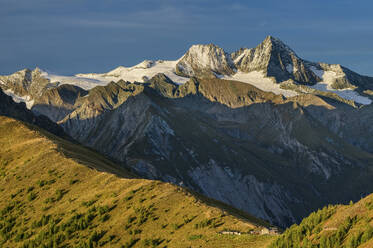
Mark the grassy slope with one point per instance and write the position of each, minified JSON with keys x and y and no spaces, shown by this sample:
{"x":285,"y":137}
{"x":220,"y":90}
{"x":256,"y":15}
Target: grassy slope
{"x":50,"y":196}
{"x":339,"y":226}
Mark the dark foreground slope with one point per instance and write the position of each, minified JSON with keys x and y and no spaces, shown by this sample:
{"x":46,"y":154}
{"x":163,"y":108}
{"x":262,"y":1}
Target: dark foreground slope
{"x":349,"y":226}
{"x":58,"y":194}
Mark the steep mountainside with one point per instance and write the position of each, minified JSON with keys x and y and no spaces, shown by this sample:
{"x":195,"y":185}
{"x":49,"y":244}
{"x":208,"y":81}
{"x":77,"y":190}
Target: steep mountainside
{"x":58,"y":194}
{"x":349,"y":226}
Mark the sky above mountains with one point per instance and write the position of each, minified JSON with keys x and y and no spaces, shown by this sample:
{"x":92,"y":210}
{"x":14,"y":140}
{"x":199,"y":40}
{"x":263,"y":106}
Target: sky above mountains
{"x":73,"y":36}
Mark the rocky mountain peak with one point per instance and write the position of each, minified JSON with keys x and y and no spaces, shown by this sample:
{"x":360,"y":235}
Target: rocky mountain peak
{"x":24,"y":83}
{"x":276,"y":45}
{"x":202,"y":60}
{"x":276,"y":60}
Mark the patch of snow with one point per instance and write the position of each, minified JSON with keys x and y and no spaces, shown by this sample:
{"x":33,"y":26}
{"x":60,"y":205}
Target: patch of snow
{"x":84,"y":83}
{"x":29,"y":104}
{"x":347,"y":94}
{"x":238,"y":59}
{"x":258,"y":80}
{"x":18,"y":99}
{"x":317,"y":72}
{"x":289,"y":68}
{"x":328,"y":78}
{"x":218,"y":75}
{"x":137,"y":73}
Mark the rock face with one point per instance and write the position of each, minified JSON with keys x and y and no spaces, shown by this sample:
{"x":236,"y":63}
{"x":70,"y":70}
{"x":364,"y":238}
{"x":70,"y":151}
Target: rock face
{"x":24,"y":82}
{"x":205,"y":61}
{"x":57,"y":102}
{"x":277,"y":60}
{"x":278,"y":158}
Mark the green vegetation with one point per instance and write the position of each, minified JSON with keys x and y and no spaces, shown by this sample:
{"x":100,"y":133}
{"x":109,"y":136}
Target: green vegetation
{"x":349,"y":226}
{"x":58,"y":201}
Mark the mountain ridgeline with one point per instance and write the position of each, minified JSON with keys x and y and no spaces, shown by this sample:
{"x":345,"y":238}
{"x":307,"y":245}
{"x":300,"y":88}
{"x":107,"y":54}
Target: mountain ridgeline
{"x":278,"y":146}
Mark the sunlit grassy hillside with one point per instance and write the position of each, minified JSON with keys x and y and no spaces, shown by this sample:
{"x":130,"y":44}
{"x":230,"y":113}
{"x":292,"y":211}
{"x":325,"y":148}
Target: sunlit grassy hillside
{"x":349,"y":226}
{"x":58,"y":194}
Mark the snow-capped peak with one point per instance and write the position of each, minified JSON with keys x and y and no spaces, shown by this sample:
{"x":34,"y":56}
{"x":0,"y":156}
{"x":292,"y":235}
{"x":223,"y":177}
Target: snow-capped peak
{"x":277,"y":44}
{"x":200,"y":59}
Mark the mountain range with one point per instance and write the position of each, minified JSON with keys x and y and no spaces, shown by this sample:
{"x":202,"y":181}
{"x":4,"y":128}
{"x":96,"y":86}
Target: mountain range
{"x":260,"y":129}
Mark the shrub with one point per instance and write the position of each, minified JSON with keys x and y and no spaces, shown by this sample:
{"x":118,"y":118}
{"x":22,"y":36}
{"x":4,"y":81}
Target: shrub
{"x":89,"y":203}
{"x":105,"y":217}
{"x":32,"y":196}
{"x":73,"y":181}
{"x":29,"y":189}
{"x":130,"y":243}
{"x":194,"y":237}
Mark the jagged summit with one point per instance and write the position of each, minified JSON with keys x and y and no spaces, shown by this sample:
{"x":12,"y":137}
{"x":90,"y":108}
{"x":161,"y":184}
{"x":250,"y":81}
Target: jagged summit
{"x":205,"y":60}
{"x":277,"y":44}
{"x":275,"y":59}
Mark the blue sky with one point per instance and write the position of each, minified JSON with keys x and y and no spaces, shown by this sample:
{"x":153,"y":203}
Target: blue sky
{"x":72,"y":36}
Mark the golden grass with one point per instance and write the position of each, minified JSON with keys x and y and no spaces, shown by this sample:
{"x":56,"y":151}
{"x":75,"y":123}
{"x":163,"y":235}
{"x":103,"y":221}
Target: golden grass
{"x":42,"y":175}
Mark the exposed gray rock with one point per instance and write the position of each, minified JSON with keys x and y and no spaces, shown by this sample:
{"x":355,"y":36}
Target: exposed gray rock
{"x":264,"y":200}
{"x":277,"y":60}
{"x":205,"y":61}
